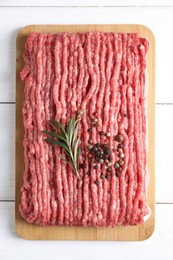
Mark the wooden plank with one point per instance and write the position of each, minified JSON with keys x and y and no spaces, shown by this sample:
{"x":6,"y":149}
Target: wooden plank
{"x":90,"y":3}
{"x":158,"y":246}
{"x":164,"y":151}
{"x":7,"y":151}
{"x":29,"y":231}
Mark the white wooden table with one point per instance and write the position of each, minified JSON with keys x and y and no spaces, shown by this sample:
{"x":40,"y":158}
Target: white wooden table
{"x":158,"y":16}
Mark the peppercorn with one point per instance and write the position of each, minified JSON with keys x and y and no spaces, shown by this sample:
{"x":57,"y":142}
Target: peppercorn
{"x":97,"y":182}
{"x":121,"y":155}
{"x":106,"y":161}
{"x":105,"y":145}
{"x":120,"y":150}
{"x":119,"y":138}
{"x":121,"y":162}
{"x":106,"y":156}
{"x":116,"y":165}
{"x":102,"y":176}
{"x":98,"y":153}
{"x":96,"y":166}
{"x":110,"y":159}
{"x":125,"y":115}
{"x":88,"y":173}
{"x":108,"y":151}
{"x":120,"y":146}
{"x":109,"y":163}
{"x":95,"y":124}
{"x":97,"y":145}
{"x":80,"y":112}
{"x":95,"y":120}
{"x":101,"y":133}
{"x":90,"y":146}
{"x":117,"y":174}
{"x":94,"y":149}
{"x":108,"y":134}
{"x":108,"y":169}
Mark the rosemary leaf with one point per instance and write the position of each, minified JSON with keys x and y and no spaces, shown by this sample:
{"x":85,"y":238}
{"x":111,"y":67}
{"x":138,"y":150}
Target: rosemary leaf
{"x":68,"y":139}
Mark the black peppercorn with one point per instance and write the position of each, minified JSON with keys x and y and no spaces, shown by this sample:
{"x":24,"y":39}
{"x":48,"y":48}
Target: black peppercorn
{"x":117,"y":174}
{"x":119,"y":138}
{"x":120,"y":146}
{"x":108,"y":151}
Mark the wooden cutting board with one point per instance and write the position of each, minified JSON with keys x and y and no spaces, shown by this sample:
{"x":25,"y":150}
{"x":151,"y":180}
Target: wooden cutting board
{"x":30,"y":231}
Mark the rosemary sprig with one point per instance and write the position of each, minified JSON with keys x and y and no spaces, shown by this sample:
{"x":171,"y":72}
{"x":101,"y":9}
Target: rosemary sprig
{"x":68,"y":139}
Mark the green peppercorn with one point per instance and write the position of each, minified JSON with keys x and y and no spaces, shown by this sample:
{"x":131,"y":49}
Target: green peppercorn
{"x":121,"y":162}
{"x":97,"y":182}
{"x":96,"y":166}
{"x":80,"y":112}
{"x":102,"y":176}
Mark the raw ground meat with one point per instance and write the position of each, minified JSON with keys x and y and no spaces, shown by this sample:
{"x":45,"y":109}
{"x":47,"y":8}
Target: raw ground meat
{"x":102,"y":74}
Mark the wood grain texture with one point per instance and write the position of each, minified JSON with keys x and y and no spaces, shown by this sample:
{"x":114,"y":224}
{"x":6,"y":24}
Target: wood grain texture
{"x":30,"y":231}
{"x":7,"y":151}
{"x":90,"y":3}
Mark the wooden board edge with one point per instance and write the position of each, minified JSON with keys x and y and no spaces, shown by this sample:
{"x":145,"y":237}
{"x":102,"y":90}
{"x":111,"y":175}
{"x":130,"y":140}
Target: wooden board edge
{"x":151,"y":36}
